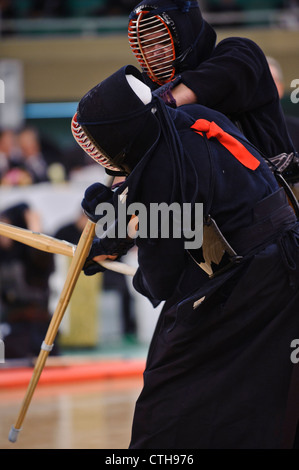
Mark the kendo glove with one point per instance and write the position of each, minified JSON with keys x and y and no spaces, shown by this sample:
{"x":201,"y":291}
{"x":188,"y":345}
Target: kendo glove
{"x":92,"y":267}
{"x":105,"y":246}
{"x":165,"y":92}
{"x":95,"y":195}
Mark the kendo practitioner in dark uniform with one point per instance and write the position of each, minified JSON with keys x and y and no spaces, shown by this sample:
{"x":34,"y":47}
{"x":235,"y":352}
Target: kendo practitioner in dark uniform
{"x":219,"y":373}
{"x":177,"y":51}
{"x":24,"y":290}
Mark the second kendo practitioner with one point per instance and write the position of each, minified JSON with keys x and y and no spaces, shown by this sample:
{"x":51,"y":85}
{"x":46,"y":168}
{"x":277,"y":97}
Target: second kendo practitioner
{"x":180,"y":57}
{"x":219,"y":371}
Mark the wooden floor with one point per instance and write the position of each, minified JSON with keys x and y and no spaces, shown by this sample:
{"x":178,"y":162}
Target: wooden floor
{"x":91,"y":415}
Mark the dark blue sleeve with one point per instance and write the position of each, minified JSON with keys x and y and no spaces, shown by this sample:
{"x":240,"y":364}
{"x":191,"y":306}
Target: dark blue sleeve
{"x":230,"y":81}
{"x":161,"y":260}
{"x":161,"y":266}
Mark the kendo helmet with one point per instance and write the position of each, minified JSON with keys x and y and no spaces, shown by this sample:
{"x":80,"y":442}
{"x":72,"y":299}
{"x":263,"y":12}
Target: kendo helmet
{"x":115,"y":122}
{"x":168,"y":37}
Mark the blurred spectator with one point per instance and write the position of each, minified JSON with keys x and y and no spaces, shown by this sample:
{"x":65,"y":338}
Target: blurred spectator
{"x":12,"y":173}
{"x":7,"y":9}
{"x":292,"y":121}
{"x":54,"y":158}
{"x":116,"y":282}
{"x":224,"y":6}
{"x":49,"y":9}
{"x":116,"y":8}
{"x":31,"y":156}
{"x":7,"y":12}
{"x":72,"y":232}
{"x":26,"y":159}
{"x":75,"y":159}
{"x":50,"y":150}
{"x":24,"y":289}
{"x":7,"y":147}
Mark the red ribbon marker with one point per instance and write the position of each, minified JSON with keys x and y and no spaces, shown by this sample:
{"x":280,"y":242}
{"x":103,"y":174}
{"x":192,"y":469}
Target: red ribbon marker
{"x":211,"y":129}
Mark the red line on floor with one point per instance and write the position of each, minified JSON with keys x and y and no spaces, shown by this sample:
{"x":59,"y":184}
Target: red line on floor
{"x":10,"y":378}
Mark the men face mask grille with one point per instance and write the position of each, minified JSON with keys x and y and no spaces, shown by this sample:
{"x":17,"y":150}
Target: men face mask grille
{"x":152,"y":44}
{"x":89,"y":147}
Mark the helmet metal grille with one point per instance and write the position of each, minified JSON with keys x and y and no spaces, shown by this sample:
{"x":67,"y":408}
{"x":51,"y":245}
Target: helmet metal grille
{"x":88,"y":146}
{"x":153,"y":46}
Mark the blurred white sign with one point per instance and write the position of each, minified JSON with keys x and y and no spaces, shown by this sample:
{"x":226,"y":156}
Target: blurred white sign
{"x":11,"y":94}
